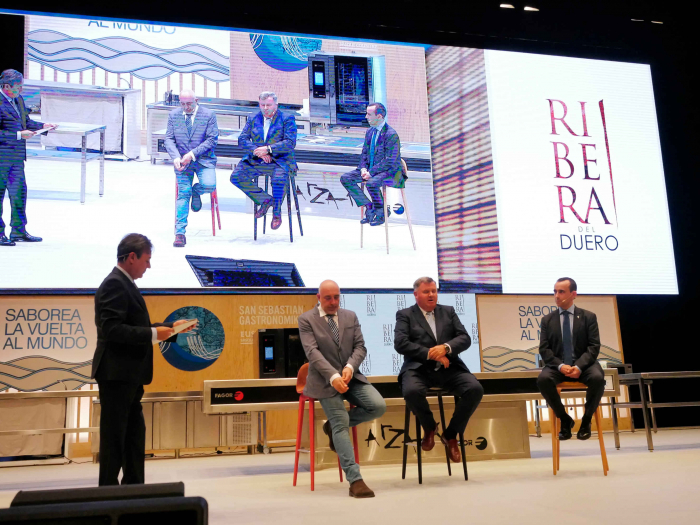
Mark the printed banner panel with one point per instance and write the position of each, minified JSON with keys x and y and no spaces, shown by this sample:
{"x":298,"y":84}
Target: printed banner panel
{"x":510,"y":329}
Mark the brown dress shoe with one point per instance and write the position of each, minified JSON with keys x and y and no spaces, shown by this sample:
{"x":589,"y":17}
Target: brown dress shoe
{"x":262,"y":210}
{"x":429,"y":440}
{"x":452,"y":449}
{"x":276,"y":222}
{"x":359,"y":489}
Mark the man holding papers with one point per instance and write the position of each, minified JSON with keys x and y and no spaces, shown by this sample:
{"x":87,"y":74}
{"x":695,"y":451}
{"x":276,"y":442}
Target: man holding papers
{"x":123,"y":361}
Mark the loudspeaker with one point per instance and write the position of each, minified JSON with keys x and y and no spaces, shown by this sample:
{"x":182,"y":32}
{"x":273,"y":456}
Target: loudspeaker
{"x":170,"y":511}
{"x":111,"y":493}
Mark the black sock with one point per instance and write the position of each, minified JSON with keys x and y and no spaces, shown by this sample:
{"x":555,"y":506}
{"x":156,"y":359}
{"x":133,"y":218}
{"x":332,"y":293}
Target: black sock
{"x":586,"y":421}
{"x":449,"y":434}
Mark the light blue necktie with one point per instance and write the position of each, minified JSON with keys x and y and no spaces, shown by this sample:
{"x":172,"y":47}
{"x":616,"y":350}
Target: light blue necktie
{"x":566,"y":339}
{"x":188,"y":123}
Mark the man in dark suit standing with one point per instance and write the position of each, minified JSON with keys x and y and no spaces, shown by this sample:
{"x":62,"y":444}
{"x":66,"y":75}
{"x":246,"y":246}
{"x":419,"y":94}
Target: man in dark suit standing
{"x":335,"y":348}
{"x":569,"y":347}
{"x":269,"y":139}
{"x":380,"y":161}
{"x":123,"y":362}
{"x":190,"y":139}
{"x":15,"y":129}
{"x":430,"y":336}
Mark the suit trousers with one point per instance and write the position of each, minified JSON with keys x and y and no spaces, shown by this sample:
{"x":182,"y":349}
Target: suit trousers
{"x":242,"y":177}
{"x":13,"y":181}
{"x":593,"y":377}
{"x":351,"y":180}
{"x":185,"y":178}
{"x":122,"y":433}
{"x":459,"y":382}
{"x":369,"y":405}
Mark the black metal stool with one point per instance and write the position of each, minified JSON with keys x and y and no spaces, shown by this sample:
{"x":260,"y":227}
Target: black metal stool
{"x":290,"y":189}
{"x":439,"y":392}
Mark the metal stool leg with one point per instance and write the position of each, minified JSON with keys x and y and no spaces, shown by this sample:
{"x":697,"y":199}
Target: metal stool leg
{"x":408,"y":216}
{"x":461,"y":446}
{"x":267,"y":180}
{"x":616,"y":429}
{"x":419,"y":450}
{"x":312,"y":448}
{"x":300,"y":422}
{"x":651,"y":409}
{"x":442,"y":420}
{"x":293,"y":183}
{"x":406,"y":441}
{"x":386,"y":218}
{"x":553,"y":430}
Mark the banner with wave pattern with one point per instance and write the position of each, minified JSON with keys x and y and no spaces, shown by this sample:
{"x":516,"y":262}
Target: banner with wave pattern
{"x":124,"y":55}
{"x":31,"y":373}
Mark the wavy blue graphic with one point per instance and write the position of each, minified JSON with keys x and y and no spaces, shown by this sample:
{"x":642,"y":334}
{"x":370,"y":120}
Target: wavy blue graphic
{"x":124,"y":55}
{"x":199,"y":348}
{"x":31,"y":373}
{"x":284,"y":53}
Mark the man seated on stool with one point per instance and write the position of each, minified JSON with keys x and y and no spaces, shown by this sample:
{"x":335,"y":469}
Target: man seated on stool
{"x":569,"y":347}
{"x":190,"y":140}
{"x":380,"y":161}
{"x":334,"y":346}
{"x":430,"y":336}
{"x":269,"y":138}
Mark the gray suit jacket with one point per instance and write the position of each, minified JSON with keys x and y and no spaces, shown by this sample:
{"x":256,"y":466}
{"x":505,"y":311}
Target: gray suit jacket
{"x":202,"y":141}
{"x":327,"y":358}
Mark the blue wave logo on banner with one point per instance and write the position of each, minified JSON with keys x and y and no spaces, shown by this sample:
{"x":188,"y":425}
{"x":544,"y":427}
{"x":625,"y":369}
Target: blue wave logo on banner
{"x":284,"y":53}
{"x":124,"y":55}
{"x":199,"y":348}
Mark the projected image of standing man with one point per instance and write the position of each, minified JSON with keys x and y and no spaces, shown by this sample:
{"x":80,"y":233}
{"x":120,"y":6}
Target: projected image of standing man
{"x":269,"y":139}
{"x":380,"y":161}
{"x":15,"y":129}
{"x":190,"y":139}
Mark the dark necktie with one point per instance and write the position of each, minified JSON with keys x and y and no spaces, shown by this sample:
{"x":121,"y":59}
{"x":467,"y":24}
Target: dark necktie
{"x":372,"y":145}
{"x":334,"y":328}
{"x":566,"y":339}
{"x":188,"y":123}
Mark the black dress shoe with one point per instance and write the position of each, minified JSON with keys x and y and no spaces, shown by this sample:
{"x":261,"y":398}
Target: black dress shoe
{"x":196,"y":201}
{"x":263,"y":209}
{"x":24,"y":237}
{"x":565,"y":432}
{"x":584,"y":432}
{"x":4,"y":241}
{"x":180,"y":241}
{"x":369,"y":215}
{"x":377,"y":220}
{"x":327,"y":430}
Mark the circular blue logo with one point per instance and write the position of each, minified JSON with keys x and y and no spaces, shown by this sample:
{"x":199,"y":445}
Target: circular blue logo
{"x":284,"y":53}
{"x":398,"y":209}
{"x":199,"y":348}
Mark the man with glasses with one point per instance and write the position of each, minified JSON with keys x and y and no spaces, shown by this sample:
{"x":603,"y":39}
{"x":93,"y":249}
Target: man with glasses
{"x":15,"y":129}
{"x":269,"y":138}
{"x":190,"y":140}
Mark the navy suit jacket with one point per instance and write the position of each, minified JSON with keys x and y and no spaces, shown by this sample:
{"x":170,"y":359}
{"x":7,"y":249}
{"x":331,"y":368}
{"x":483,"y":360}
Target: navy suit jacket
{"x":387,"y":152}
{"x":413,"y":337}
{"x":584,"y":336}
{"x":281,"y":137}
{"x":202,"y":141}
{"x":13,"y":151}
{"x":124,"y":338}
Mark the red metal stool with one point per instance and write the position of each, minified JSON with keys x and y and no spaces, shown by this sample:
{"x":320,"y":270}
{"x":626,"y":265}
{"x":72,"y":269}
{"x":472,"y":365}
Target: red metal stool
{"x":301,"y":383}
{"x":214,"y":206}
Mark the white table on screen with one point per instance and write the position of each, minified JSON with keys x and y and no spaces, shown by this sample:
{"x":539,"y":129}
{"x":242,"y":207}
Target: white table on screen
{"x":82,"y":130}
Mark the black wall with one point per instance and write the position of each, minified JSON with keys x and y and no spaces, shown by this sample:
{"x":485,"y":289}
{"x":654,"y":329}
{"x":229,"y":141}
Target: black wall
{"x":658,"y":332}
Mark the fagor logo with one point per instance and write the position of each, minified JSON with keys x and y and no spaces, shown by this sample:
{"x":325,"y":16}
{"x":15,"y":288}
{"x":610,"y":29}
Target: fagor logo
{"x":480,"y":443}
{"x":238,"y":396}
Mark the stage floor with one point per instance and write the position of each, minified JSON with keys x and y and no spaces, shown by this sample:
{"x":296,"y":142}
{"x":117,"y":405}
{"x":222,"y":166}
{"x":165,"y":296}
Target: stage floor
{"x":80,"y":241}
{"x":641,"y":487}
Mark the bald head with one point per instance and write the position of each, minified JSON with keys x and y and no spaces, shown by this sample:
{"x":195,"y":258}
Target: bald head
{"x":188,"y":101}
{"x":329,"y":296}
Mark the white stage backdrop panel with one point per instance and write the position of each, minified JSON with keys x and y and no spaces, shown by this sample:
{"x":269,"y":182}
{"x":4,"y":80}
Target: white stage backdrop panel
{"x":377,"y":316}
{"x":579,"y":178}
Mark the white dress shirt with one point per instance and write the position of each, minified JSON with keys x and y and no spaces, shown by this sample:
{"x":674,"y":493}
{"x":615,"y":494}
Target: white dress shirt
{"x":335,"y":318}
{"x":154,"y":332}
{"x":570,"y":317}
{"x":266,"y":126}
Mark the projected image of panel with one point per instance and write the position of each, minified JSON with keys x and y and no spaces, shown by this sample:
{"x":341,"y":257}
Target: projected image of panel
{"x":547,"y":166}
{"x":119,"y":89}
